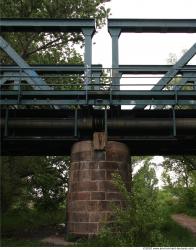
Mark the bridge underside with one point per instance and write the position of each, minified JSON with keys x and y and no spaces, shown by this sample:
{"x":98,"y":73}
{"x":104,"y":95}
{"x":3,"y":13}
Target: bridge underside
{"x":53,"y":132}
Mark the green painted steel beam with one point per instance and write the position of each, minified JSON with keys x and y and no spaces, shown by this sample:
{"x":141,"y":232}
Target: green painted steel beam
{"x":96,"y":102}
{"x":153,"y":25}
{"x":79,"y":69}
{"x":45,"y":25}
{"x":127,"y":97}
{"x":98,"y":93}
{"x":154,"y":69}
{"x":86,"y":26}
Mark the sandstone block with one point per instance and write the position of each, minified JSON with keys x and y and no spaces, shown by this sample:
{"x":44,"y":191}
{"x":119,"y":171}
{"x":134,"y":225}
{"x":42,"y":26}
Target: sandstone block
{"x":97,"y":195}
{"x":80,"y":196}
{"x":98,"y":174}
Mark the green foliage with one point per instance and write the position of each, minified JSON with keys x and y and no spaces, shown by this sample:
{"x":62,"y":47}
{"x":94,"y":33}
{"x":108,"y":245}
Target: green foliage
{"x":139,"y":222}
{"x":54,"y":47}
{"x":39,"y":182}
{"x":176,"y":235}
{"x":179,"y":178}
{"x":22,"y":221}
{"x":54,"y":9}
{"x":167,"y":202}
{"x":14,"y":242}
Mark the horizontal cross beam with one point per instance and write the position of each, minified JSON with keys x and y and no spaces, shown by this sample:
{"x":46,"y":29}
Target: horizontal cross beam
{"x":153,"y":25}
{"x":100,"y":98}
{"x":80,"y":68}
{"x":154,"y":69}
{"x":53,"y":68}
{"x":45,"y":25}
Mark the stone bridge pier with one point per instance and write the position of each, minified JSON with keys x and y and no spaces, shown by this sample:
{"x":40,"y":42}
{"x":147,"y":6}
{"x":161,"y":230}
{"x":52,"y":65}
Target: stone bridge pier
{"x":91,"y":189}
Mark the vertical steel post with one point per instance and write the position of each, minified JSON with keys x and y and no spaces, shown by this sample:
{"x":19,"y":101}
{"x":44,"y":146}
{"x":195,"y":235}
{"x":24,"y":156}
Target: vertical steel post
{"x":106,"y":121}
{"x":96,"y":76}
{"x":6,"y":122}
{"x":76,"y":122}
{"x":86,"y":82}
{"x":194,"y":85}
{"x":19,"y":86}
{"x":110,"y":81}
{"x":88,"y":33}
{"x":174,"y":120}
{"x":115,"y":34}
{"x":17,"y":81}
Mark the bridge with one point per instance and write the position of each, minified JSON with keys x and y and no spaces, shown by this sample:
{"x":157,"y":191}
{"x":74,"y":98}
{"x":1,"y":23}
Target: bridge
{"x":45,"y":109}
{"x":86,"y":111}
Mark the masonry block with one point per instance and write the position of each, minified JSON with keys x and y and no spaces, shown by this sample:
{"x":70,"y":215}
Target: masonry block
{"x":80,"y":195}
{"x":98,"y":195}
{"x":92,"y":193}
{"x":98,"y":174}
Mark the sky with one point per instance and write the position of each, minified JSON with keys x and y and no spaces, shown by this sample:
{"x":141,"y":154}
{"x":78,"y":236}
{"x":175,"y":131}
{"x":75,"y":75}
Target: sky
{"x":145,"y":48}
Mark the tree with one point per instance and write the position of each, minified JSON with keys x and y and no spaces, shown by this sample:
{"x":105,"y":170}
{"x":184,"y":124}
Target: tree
{"x":179,"y":178}
{"x":55,"y":47}
{"x":42,"y":180}
{"x":39,"y":181}
{"x":182,"y":168}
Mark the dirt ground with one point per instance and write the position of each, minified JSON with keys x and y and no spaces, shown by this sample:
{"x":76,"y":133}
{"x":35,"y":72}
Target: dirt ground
{"x":185,"y":221}
{"x":57,"y":241}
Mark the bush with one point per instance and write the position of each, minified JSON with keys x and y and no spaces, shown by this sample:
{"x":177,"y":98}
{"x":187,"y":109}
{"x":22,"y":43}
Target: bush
{"x":139,"y":222}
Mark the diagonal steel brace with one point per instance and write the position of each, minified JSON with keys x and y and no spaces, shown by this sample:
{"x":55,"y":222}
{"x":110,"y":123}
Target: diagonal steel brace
{"x":188,"y":77}
{"x":34,"y":79}
{"x":172,"y":72}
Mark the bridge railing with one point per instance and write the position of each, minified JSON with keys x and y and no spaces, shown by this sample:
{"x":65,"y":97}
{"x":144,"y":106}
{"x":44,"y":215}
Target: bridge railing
{"x":57,"y":77}
{"x":73,"y":85}
{"x":98,"y":76}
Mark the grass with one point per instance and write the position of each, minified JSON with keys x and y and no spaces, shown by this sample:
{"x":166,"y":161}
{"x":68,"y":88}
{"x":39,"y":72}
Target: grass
{"x":28,"y":220}
{"x":12,"y":242}
{"x":178,"y":236}
{"x":15,"y":225}
{"x":173,"y":234}
{"x":25,"y":228}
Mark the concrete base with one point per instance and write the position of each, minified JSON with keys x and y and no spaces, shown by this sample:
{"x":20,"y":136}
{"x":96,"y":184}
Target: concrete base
{"x":91,"y":190}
